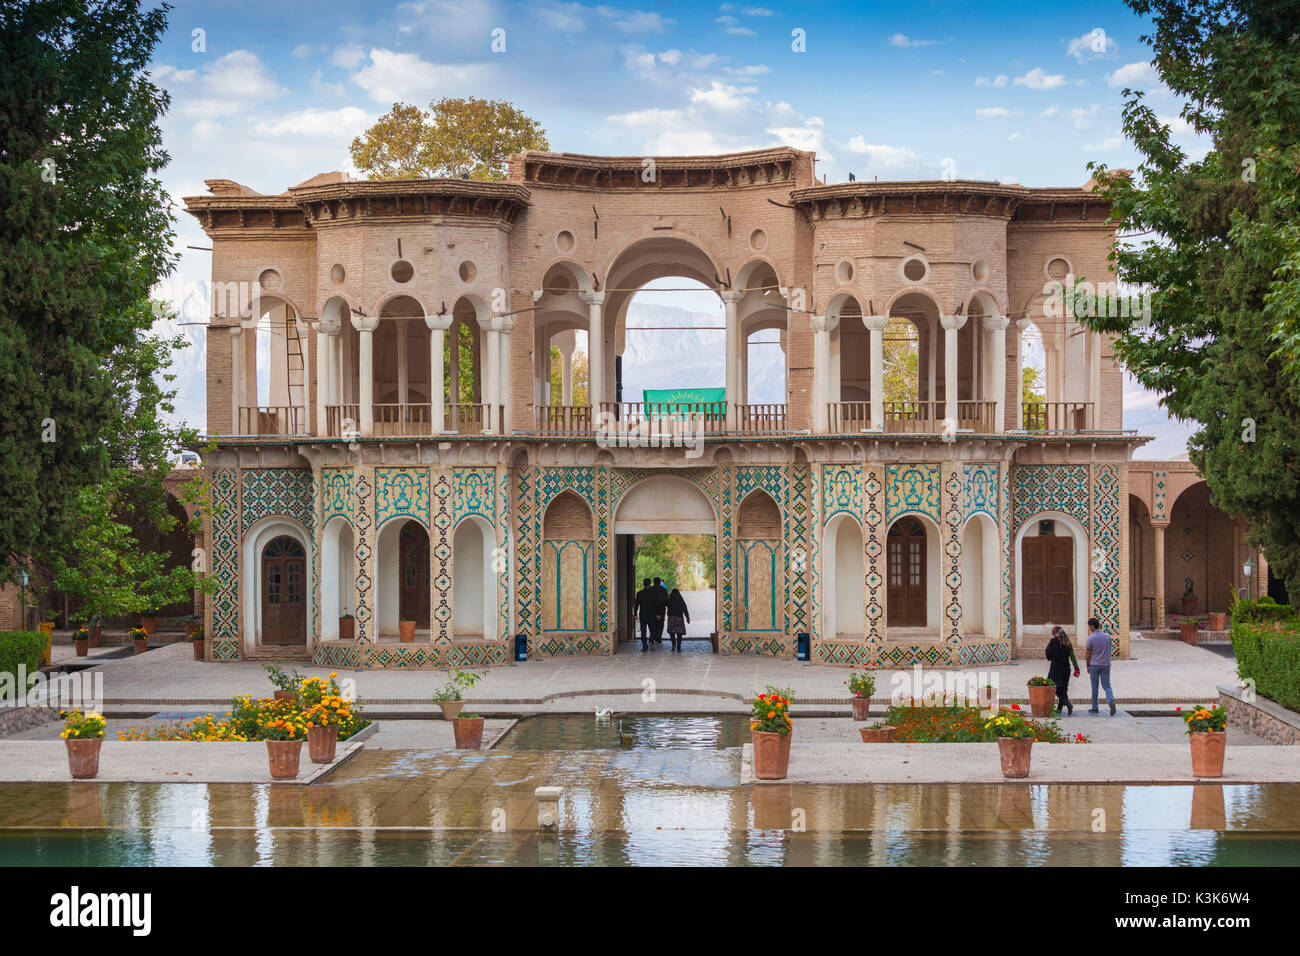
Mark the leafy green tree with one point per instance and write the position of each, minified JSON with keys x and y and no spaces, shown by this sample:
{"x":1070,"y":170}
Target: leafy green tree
{"x":579,"y":377}
{"x":85,"y":233}
{"x":456,"y":137}
{"x":900,"y":353}
{"x":1219,"y":249}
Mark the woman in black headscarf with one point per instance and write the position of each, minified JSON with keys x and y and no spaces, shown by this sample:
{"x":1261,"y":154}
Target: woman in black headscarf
{"x":1061,"y":654}
{"x":677,"y":616}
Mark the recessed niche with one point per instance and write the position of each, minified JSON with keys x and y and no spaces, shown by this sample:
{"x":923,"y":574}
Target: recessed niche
{"x":269,"y":279}
{"x":979,"y":270}
{"x":467,"y":271}
{"x":758,"y":240}
{"x":1058,"y":268}
{"x":402,"y":271}
{"x":338,"y":274}
{"x":915,"y":269}
{"x":564,"y":241}
{"x":844,"y":271}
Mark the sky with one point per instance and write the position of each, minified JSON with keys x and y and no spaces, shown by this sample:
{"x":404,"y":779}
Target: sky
{"x":271,"y":93}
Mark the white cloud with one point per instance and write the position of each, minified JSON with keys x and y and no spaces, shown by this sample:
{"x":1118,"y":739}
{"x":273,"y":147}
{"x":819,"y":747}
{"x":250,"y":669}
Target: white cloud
{"x":1092,"y":45}
{"x":316,"y":123}
{"x":391,"y":77}
{"x":724,"y":97}
{"x":757,"y":69}
{"x":996,"y":112}
{"x":1082,"y":118}
{"x":885,"y":160}
{"x":1138,"y":76}
{"x":1177,"y":125}
{"x":1036,"y":79}
{"x":165,"y":75}
{"x":1107,"y":143}
{"x":240,"y":74}
{"x":348,"y":57}
{"x":301,"y":51}
{"x":758,"y":12}
{"x":319,"y":84}
{"x":902,"y":39}
{"x":1000,"y":80}
{"x":1050,"y":111}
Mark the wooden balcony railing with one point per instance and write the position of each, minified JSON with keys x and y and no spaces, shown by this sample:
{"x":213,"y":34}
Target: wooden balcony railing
{"x":907,"y":418}
{"x":411,"y":420}
{"x":979,"y":417}
{"x":711,"y":416}
{"x":342,"y":418}
{"x":902,"y":418}
{"x":848,"y":417}
{"x":271,"y":420}
{"x":1057,"y":417}
{"x":564,"y":419}
{"x":760,"y":419}
{"x":403,"y":421}
{"x":471,"y":419}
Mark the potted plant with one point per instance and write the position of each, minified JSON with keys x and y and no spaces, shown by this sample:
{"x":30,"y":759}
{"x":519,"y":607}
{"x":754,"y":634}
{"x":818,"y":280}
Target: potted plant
{"x":1187,"y":628}
{"x":149,"y":623}
{"x":1207,"y":733}
{"x":347,"y":626}
{"x":1041,"y":692}
{"x":1219,"y":619}
{"x":406,"y":628}
{"x":96,"y":625}
{"x":326,"y":711}
{"x":1189,"y":598}
{"x":81,"y":641}
{"x":83,"y":735}
{"x":286,"y":685}
{"x":468,"y":729}
{"x":770,"y":727}
{"x":284,"y":730}
{"x":140,"y":637}
{"x":449,"y":699}
{"x":1015,"y":737}
{"x":878,"y":733}
{"x":861,"y":686}
{"x":197,"y":642}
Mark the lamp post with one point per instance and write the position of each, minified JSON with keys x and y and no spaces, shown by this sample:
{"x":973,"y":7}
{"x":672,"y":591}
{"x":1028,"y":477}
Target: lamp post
{"x":1248,"y":569}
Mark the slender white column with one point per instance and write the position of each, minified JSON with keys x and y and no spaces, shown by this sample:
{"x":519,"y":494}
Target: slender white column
{"x":731,"y":301}
{"x":822,"y":326}
{"x":1018,"y":393}
{"x":438,"y":326}
{"x":323,"y":339}
{"x":876,"y":333}
{"x":997,"y":326}
{"x":503,"y":370}
{"x":489,"y":391}
{"x":305,"y":345}
{"x":595,"y":348}
{"x":951,"y":324}
{"x":366,"y":326}
{"x":236,"y":376}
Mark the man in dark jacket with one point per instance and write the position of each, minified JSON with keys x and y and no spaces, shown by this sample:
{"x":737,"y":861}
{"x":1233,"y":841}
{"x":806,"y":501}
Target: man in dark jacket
{"x":647,"y":611}
{"x":661,"y":596}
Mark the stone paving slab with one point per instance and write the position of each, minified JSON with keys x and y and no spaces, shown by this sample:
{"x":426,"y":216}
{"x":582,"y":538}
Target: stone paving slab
{"x":158,"y":761}
{"x":825,"y":763}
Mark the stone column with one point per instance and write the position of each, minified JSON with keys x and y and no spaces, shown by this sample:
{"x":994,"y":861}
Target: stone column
{"x":490,"y":390}
{"x":565,"y":342}
{"x":876,"y":330}
{"x":822,"y":326}
{"x":507,"y":325}
{"x":1018,"y":393}
{"x":1159,"y":528}
{"x":731,"y":300}
{"x":438,"y":326}
{"x":951,"y":324}
{"x":323,"y":374}
{"x":997,"y":326}
{"x":595,"y":348}
{"x":366,"y":326}
{"x":236,"y":372}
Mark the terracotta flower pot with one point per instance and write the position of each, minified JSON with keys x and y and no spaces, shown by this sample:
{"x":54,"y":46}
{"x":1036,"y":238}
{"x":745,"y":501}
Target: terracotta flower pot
{"x":1218,"y":621}
{"x":771,"y":755}
{"x":284,"y":756}
{"x":1014,"y":752}
{"x":347,"y":628}
{"x":284,"y":695}
{"x":321,"y":744}
{"x":450,"y":708}
{"x":96,"y":635}
{"x":877,"y":735}
{"x":83,"y":756}
{"x":1187,"y":631}
{"x":83,"y":647}
{"x":1207,"y":753}
{"x":469,"y":732}
{"x":189,"y":628}
{"x":1040,"y":699}
{"x":407,"y":631}
{"x":150,"y":624}
{"x":141,"y":646}
{"x":860,"y":707}
{"x":198,"y":649}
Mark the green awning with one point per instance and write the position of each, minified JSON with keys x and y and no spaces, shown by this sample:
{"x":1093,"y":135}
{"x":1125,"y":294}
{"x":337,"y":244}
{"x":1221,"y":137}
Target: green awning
{"x":683,"y":396}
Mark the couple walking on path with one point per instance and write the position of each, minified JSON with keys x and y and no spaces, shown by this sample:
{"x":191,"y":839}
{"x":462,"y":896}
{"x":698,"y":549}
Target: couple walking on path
{"x":1061,"y":654}
{"x":655,"y":606}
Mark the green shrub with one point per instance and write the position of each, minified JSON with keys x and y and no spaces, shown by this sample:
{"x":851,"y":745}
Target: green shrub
{"x":1261,"y":611}
{"x":1269,"y":654}
{"x":21,"y":647}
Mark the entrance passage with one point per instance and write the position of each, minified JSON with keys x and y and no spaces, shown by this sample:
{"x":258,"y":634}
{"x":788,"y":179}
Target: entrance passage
{"x":414,"y":594}
{"x":1047,"y":569}
{"x":905,"y":548}
{"x":687,"y":562}
{"x":284,"y":605}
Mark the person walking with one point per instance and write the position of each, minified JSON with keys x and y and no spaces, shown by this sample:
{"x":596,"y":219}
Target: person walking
{"x":647,"y":610}
{"x":676,"y":616}
{"x":661,"y":597}
{"x":1061,"y":654}
{"x":1097,"y":651}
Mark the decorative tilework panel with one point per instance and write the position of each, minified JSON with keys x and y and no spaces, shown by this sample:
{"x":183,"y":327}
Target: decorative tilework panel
{"x":913,"y":489}
{"x":952,"y":528}
{"x":225,"y":564}
{"x":980,"y":491}
{"x":287,"y":492}
{"x":336,"y":487}
{"x":1008,"y":557}
{"x":364,"y":532}
{"x":1106,"y":513}
{"x":873,"y":545}
{"x":440,"y":541}
{"x":402,"y":492}
{"x":474,"y":493}
{"x":1062,"y":488}
{"x":841,"y":491}
{"x":799,"y":532}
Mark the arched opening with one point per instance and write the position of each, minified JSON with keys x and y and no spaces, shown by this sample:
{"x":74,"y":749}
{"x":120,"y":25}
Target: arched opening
{"x":402,"y":366}
{"x":463,"y":364}
{"x":914,"y":364}
{"x":562,"y":391}
{"x":474,"y":580}
{"x":1141,"y":564}
{"x":1051,"y":578}
{"x":1033,"y":378}
{"x":843,"y":581}
{"x":1201,"y":554}
{"x":568,"y":565}
{"x":763,"y":318}
{"x":338,"y":576}
{"x":759,"y":568}
{"x":403,"y":586}
{"x":277,"y":583}
{"x":981,"y":577}
{"x":270,"y":383}
{"x":911,"y":575}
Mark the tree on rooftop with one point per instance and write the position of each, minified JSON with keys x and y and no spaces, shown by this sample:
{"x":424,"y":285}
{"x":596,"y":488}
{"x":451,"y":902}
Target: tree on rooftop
{"x":1219,"y":248}
{"x":456,"y":137}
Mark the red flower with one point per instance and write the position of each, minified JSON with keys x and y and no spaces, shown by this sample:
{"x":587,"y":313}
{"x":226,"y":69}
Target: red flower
{"x":1015,"y":706}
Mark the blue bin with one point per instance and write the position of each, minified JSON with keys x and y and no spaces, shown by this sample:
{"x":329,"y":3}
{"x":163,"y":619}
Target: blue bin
{"x":521,"y":647}
{"x":805,"y":647}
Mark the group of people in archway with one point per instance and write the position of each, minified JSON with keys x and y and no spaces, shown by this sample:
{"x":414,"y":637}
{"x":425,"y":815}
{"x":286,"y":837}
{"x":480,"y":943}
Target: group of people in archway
{"x":657,"y":607}
{"x":1060,"y":652}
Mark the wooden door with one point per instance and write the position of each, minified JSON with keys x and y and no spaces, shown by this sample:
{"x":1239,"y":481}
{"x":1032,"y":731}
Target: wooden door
{"x":413,"y":602}
{"x":1047,"y":576}
{"x":905,"y":550}
{"x":284,"y":592}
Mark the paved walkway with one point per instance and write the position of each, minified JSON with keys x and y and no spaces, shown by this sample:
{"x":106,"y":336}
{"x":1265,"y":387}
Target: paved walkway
{"x":1160,"y":671}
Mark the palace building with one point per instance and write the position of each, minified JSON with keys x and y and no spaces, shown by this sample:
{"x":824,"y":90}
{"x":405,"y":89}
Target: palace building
{"x":387,"y":444}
